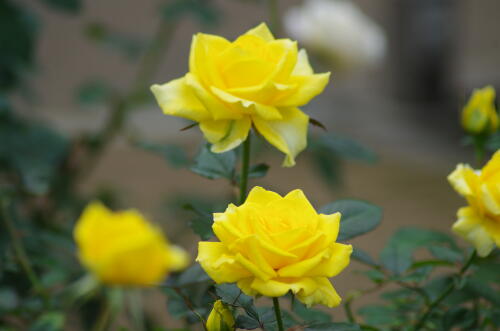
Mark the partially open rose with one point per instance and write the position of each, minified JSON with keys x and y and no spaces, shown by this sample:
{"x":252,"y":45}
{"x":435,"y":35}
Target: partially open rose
{"x":479,"y":223}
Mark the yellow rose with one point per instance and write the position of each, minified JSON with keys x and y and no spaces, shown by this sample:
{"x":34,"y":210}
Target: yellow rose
{"x":122,"y":248}
{"x":479,"y":223}
{"x":271,"y":245}
{"x":479,"y":114}
{"x":220,"y":318}
{"x":254,"y":81}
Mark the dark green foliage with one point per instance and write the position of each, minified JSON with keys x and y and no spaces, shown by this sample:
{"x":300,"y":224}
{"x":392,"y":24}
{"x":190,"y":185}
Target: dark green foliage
{"x":310,"y":315}
{"x":18,"y":33}
{"x":397,"y":254}
{"x":362,"y":256}
{"x":32,"y":151}
{"x":358,"y":217}
{"x":214,"y":165}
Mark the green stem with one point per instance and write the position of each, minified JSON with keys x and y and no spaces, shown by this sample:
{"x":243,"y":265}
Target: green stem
{"x":274,"y":16}
{"x":277,"y":311}
{"x":445,"y":293}
{"x":245,"y":164}
{"x":479,"y":150}
{"x":348,"y":311}
{"x":19,"y":250}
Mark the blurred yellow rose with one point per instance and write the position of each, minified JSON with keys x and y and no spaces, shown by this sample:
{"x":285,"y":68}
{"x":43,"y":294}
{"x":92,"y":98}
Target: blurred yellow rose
{"x":479,"y":114}
{"x":220,"y":318}
{"x":122,"y":248}
{"x":254,"y":81}
{"x":271,"y":245}
{"x":479,"y":223}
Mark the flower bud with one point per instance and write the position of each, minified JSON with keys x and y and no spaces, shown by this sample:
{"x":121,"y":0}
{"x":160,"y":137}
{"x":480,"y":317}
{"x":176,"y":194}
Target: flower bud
{"x":220,"y":318}
{"x":479,"y":114}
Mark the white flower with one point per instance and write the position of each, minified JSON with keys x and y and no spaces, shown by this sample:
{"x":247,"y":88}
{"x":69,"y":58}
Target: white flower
{"x":337,"y":30}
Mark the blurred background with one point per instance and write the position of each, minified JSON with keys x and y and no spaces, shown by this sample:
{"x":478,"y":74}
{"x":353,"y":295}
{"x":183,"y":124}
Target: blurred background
{"x":403,"y":106}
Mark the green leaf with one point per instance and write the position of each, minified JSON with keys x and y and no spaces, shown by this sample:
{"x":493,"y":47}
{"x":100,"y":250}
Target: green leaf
{"x":258,"y":170}
{"x":436,"y":286}
{"x":310,"y":315}
{"x":333,"y":327}
{"x":446,"y":253}
{"x":51,"y":321}
{"x":214,"y":165}
{"x":397,"y":255}
{"x":35,"y":152}
{"x":358,"y":217}
{"x":345,"y":148}
{"x":493,"y":142}
{"x":203,"y":11}
{"x":246,"y":322}
{"x":363,"y":257}
{"x":374,"y":275}
{"x":192,"y":275}
{"x":202,"y":223}
{"x":379,"y":315}
{"x":173,"y":154}
{"x":417,"y":275}
{"x":92,"y":93}
{"x":176,"y":305}
{"x":68,"y":6}
{"x":328,"y":165}
{"x":232,"y":295}
{"x":18,"y":34}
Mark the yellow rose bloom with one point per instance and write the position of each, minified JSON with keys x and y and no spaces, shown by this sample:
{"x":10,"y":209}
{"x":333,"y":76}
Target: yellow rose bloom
{"x":220,"y":318}
{"x":479,"y":223}
{"x":122,"y":248}
{"x":271,"y":245}
{"x":479,"y":114}
{"x":256,"y":80}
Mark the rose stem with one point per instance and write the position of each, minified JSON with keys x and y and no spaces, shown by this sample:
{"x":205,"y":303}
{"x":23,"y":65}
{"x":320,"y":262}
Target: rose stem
{"x":277,"y":311}
{"x":445,"y":293}
{"x":244,"y":168}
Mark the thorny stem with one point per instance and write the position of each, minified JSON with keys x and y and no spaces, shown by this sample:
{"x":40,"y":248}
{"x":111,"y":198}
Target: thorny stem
{"x":445,"y":293}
